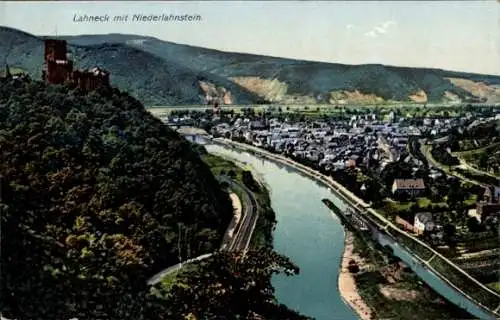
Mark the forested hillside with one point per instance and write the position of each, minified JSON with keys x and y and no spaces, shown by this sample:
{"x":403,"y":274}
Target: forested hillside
{"x":294,"y":81}
{"x":146,"y":77}
{"x":94,"y":192}
{"x":97,"y":196}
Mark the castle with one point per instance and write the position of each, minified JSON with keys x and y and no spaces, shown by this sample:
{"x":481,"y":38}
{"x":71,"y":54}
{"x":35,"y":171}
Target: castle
{"x":58,"y":68}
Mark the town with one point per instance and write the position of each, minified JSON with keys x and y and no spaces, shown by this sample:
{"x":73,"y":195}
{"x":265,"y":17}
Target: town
{"x":394,"y":160}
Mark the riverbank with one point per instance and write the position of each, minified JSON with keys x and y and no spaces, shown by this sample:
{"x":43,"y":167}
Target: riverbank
{"x":391,"y":290}
{"x":231,"y":229}
{"x":380,"y":288}
{"x":305,"y":233}
{"x":182,"y":273}
{"x":347,"y":282}
{"x":263,"y":232}
{"x":369,"y":282}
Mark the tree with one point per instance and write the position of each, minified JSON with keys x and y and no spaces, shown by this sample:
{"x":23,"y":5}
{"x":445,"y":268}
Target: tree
{"x":249,"y":181}
{"x":492,"y":223}
{"x":483,"y":160}
{"x":455,"y":194}
{"x":449,"y":234}
{"x":231,"y":174}
{"x":230,"y":286}
{"x":91,"y":186}
{"x":395,"y":170}
{"x":474,"y":225}
{"x":353,"y":267}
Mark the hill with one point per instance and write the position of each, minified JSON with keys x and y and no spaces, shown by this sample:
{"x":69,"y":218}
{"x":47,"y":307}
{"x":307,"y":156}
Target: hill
{"x":94,"y":193}
{"x":289,"y":81}
{"x":244,"y":78}
{"x":152,"y":80}
{"x":98,"y":196}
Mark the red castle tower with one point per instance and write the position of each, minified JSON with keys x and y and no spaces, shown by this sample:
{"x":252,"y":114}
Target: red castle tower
{"x":58,"y":68}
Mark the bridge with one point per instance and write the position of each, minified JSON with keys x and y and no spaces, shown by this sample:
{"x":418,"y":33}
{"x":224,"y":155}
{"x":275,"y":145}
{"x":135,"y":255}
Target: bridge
{"x":194,"y":134}
{"x":197,"y":138}
{"x":178,"y":125}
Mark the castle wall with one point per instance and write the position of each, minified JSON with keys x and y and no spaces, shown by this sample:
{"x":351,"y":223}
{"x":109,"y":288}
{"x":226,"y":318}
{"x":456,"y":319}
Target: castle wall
{"x":58,"y":69}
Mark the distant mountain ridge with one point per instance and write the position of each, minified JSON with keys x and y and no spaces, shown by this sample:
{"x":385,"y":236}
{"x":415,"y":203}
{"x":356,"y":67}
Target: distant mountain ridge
{"x":145,"y":76}
{"x":163,"y":73}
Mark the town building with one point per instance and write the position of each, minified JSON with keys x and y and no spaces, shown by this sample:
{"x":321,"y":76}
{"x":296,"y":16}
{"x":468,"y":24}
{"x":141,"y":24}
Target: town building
{"x":472,"y":213}
{"x":423,"y":222}
{"x":492,"y":194}
{"x":485,"y":210}
{"x":411,"y":187}
{"x":405,"y":224}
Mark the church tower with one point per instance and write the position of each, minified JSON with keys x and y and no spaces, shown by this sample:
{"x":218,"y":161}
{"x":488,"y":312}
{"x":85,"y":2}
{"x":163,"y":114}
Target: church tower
{"x":7,"y":71}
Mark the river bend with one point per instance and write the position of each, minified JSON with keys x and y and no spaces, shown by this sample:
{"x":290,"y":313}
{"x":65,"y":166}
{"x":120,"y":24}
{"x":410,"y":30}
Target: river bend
{"x":308,"y":233}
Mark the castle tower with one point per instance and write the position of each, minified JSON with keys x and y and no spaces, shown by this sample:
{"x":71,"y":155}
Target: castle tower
{"x":57,"y":68}
{"x":55,"y":49}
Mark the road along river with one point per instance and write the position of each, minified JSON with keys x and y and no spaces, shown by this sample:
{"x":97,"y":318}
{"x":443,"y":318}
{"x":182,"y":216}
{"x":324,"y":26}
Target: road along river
{"x":314,"y":240}
{"x":308,"y":233}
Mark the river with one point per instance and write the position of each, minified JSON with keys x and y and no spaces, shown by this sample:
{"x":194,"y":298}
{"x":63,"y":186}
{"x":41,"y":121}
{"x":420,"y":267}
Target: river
{"x":308,"y":234}
{"x":313,"y":238}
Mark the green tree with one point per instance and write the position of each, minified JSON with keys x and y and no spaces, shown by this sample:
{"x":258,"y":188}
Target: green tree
{"x":230,"y":286}
{"x":449,"y":231}
{"x":91,"y":187}
{"x":455,"y":194}
{"x":231,"y":174}
{"x":249,"y":181}
{"x":474,"y":225}
{"x":483,"y":160}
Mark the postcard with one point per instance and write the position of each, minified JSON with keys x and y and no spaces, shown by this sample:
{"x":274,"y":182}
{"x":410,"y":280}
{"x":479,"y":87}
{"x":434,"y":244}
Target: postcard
{"x":328,"y":160}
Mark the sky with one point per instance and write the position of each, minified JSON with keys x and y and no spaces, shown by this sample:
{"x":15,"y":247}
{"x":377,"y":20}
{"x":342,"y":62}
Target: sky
{"x":461,"y":35}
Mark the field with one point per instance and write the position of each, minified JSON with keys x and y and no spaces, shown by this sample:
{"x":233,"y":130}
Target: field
{"x":398,"y":297}
{"x":495,"y":286}
{"x":463,"y":171}
{"x":465,"y":284}
{"x":13,"y":71}
{"x":413,"y":110}
{"x":471,"y":153}
{"x":483,"y":158}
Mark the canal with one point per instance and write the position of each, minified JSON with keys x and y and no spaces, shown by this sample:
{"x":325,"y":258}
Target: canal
{"x":307,"y":233}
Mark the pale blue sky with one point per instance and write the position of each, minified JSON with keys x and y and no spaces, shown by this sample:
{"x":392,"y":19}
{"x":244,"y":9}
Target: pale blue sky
{"x":460,"y":35}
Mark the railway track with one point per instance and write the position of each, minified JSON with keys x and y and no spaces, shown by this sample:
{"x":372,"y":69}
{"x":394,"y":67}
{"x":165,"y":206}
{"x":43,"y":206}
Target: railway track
{"x":246,"y":226}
